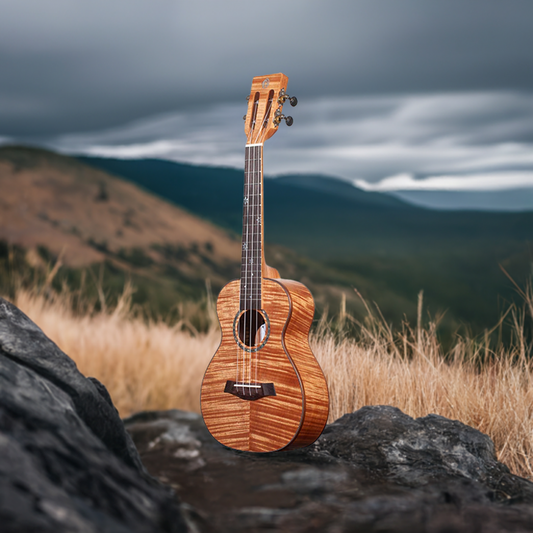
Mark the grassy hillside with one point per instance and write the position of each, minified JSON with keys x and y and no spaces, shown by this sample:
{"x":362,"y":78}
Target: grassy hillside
{"x":105,"y":231}
{"x":398,"y":248}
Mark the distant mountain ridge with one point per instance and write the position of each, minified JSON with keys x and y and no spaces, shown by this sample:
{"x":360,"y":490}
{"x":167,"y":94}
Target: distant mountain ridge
{"x":216,"y":194}
{"x":506,"y":200}
{"x":329,"y":235}
{"x":454,"y":256}
{"x":338,"y":187}
{"x":54,"y":206}
{"x":316,"y":208}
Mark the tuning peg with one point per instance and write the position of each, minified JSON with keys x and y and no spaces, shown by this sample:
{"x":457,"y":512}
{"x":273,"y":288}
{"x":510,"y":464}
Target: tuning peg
{"x":284,"y":96}
{"x":278,"y":117}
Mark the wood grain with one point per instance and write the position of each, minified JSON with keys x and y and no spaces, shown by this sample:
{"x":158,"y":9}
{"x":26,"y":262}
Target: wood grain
{"x":297,"y":414}
{"x":296,"y":341}
{"x":262,"y":87}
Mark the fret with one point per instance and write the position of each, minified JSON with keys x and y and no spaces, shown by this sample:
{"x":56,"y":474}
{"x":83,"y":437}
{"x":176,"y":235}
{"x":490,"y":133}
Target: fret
{"x":252,"y":237}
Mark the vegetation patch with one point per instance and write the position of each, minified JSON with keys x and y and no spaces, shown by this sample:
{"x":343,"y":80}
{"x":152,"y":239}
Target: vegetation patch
{"x":152,"y":365}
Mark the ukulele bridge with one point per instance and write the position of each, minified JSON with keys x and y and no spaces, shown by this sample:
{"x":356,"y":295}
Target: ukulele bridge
{"x":250,"y":391}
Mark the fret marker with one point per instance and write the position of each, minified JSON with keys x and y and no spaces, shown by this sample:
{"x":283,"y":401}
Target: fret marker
{"x":246,"y":200}
{"x":251,"y":261}
{"x":245,"y":246}
{"x":258,"y":219}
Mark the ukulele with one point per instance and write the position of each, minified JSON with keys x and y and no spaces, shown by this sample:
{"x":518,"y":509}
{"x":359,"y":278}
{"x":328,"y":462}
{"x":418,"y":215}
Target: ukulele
{"x":263,"y":391}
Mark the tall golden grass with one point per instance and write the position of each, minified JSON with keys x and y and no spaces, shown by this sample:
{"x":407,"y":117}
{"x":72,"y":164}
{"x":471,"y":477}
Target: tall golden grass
{"x":149,"y":365}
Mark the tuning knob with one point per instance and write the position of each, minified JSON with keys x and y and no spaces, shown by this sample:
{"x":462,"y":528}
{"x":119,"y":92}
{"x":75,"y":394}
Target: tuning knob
{"x":284,"y":96}
{"x":278,"y":117}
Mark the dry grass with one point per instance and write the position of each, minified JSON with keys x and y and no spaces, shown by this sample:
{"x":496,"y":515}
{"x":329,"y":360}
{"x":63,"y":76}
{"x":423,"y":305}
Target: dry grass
{"x":489,"y":388}
{"x":144,"y":365}
{"x":154,"y":366}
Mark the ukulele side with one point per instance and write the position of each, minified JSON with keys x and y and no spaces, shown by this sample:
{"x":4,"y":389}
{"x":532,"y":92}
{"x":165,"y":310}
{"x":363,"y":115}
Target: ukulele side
{"x":296,"y":341}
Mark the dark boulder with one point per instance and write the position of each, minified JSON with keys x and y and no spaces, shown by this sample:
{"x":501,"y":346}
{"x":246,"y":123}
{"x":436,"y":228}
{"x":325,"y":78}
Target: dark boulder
{"x":66,"y":462}
{"x":373,"y":470}
{"x":417,"y":452}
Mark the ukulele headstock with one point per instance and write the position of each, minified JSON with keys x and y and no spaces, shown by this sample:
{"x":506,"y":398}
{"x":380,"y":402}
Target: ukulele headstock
{"x":265,"y":107}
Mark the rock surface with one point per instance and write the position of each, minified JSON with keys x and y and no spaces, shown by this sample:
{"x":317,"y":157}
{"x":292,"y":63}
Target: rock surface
{"x":373,"y":470}
{"x":66,"y":462}
{"x":68,"y":465}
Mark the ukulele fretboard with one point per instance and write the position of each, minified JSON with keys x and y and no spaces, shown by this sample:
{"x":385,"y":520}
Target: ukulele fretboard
{"x":252,"y":234}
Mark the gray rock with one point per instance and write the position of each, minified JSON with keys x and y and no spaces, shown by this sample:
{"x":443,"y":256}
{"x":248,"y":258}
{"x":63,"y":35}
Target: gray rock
{"x":373,"y":470}
{"x":66,"y":462}
{"x":417,"y":452}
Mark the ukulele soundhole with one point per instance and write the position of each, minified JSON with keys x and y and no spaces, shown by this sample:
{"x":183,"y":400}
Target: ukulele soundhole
{"x":251,"y":329}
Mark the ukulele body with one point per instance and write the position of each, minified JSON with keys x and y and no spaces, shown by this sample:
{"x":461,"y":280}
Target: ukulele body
{"x":267,"y":393}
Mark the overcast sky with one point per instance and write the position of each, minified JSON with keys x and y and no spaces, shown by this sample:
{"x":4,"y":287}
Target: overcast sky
{"x":394,"y":94}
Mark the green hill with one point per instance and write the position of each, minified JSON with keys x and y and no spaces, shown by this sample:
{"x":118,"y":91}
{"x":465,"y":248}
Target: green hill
{"x":106,"y":230}
{"x":454,"y":256}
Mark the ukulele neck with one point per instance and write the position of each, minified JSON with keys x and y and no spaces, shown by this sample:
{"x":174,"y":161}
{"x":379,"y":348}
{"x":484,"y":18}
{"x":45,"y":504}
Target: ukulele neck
{"x":252,"y":229}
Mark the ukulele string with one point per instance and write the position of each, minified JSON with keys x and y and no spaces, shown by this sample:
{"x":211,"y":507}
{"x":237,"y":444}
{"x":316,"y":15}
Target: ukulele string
{"x":252,"y":268}
{"x":256,"y":243}
{"x":252,"y":247}
{"x":246,"y":280}
{"x":260,"y":140}
{"x":247,"y":254}
{"x":255,"y":281}
{"x":242,"y":297}
{"x":250,"y":262}
{"x":255,"y":163}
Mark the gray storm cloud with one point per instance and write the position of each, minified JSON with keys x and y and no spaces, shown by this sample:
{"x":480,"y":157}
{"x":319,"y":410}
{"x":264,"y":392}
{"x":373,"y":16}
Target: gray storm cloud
{"x":390,"y":88}
{"x":76,"y":66}
{"x":370,"y":139}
